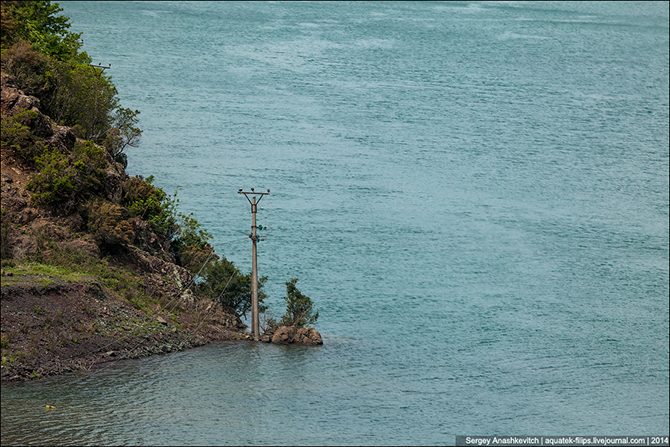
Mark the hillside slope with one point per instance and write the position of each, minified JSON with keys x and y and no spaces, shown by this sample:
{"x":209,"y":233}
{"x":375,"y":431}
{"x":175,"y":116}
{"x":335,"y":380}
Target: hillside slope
{"x":84,"y":279}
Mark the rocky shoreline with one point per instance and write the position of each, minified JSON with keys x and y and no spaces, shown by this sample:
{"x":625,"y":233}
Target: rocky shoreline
{"x":58,"y":328}
{"x":63,"y":327}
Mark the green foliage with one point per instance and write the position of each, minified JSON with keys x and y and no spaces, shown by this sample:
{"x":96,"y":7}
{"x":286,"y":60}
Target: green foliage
{"x":90,"y":162}
{"x":191,"y":233}
{"x":71,"y":92}
{"x":81,"y":97}
{"x":165,"y":222}
{"x":108,"y":223}
{"x":15,"y":134}
{"x":224,"y":282}
{"x":299,"y":310}
{"x":54,"y":183}
{"x":8,"y":25}
{"x":44,"y":59}
{"x":38,"y":22}
{"x":62,"y":182}
{"x":152,"y":204}
{"x":27,"y":67}
{"x":190,"y":244}
{"x":124,"y":133}
{"x":141,"y":197}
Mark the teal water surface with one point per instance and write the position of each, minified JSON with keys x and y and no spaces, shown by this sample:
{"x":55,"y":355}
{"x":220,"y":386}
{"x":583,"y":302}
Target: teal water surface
{"x":475,"y":195}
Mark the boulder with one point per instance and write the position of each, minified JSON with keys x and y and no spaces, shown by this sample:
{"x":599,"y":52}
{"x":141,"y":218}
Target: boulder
{"x":63,"y":138}
{"x":40,"y":124}
{"x":308,"y":336}
{"x":285,"y":335}
{"x":14,"y":100}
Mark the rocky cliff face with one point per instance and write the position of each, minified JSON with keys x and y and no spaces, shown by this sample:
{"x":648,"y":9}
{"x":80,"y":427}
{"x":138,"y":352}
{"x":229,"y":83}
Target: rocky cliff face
{"x":67,"y":302}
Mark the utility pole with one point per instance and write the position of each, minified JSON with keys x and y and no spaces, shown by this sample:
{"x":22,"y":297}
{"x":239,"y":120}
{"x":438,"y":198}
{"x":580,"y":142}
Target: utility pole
{"x":255,"y":326}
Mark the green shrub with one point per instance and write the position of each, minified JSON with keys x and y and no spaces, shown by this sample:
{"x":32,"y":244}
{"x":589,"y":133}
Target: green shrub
{"x":8,"y":25}
{"x":224,"y":282}
{"x":150,"y":203}
{"x":191,"y":233}
{"x":90,"y":162}
{"x":15,"y":134}
{"x":190,"y":245}
{"x":54,"y":184}
{"x":141,"y":197}
{"x":299,"y":310}
{"x":108,"y":223}
{"x":63,"y":182}
{"x":189,"y":242}
{"x":44,"y":59}
{"x":165,"y":222}
{"x":27,"y":67}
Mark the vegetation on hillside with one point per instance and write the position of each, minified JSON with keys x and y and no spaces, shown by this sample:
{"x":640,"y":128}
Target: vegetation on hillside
{"x":80,"y":178}
{"x":84,"y":178}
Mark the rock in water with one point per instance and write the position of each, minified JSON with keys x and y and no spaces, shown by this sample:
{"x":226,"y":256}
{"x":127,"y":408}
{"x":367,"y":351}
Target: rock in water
{"x":283,"y":335}
{"x":291,"y":335}
{"x":308,"y":336}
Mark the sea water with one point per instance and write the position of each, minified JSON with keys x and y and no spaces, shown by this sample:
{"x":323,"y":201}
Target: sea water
{"x":475,"y":195}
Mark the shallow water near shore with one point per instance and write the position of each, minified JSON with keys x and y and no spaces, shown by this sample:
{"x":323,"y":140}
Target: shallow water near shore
{"x":475,"y":195}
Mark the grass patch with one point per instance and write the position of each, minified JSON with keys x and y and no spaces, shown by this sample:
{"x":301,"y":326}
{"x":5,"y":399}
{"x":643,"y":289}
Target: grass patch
{"x":62,"y":267}
{"x":8,"y":359}
{"x":43,"y":274}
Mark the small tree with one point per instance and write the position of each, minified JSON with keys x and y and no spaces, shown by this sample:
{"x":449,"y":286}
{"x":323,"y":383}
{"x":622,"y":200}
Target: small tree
{"x":123,"y":133}
{"x":299,"y":310}
{"x":82,"y":98}
{"x":223,"y":281}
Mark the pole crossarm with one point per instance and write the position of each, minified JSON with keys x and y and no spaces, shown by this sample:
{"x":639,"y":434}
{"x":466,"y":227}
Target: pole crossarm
{"x":254,"y":193}
{"x":104,"y":67}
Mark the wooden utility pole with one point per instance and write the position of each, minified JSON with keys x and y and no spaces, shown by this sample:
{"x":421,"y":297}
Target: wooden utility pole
{"x":255,"y":325}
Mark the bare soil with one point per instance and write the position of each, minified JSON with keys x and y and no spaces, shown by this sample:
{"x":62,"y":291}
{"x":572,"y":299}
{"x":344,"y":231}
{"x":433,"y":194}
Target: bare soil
{"x":51,"y":329}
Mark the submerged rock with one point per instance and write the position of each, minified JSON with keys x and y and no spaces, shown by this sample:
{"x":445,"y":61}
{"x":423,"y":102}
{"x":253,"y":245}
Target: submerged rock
{"x":292,"y":335}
